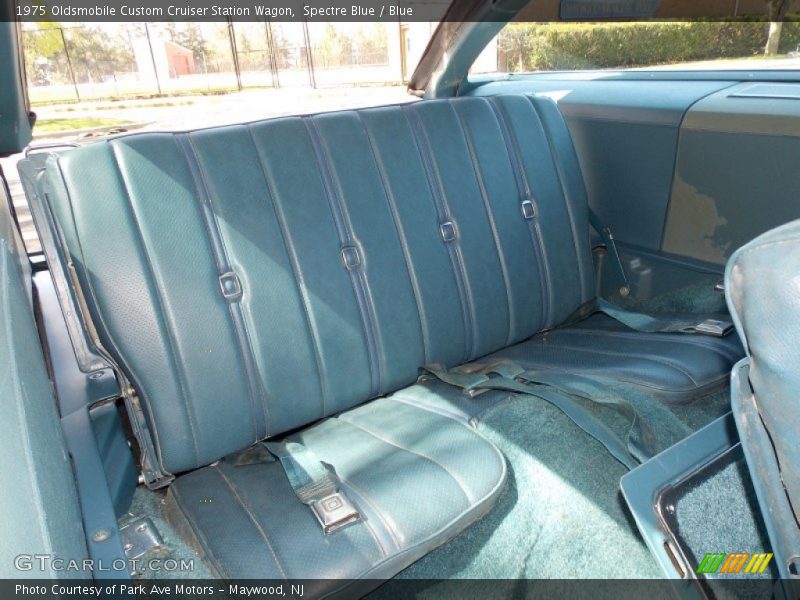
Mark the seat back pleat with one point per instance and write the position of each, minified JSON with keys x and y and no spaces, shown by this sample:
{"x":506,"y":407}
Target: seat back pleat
{"x":560,"y":199}
{"x":486,"y":297}
{"x":274,"y":303}
{"x":293,"y":173}
{"x":516,"y":251}
{"x":391,"y":303}
{"x":411,"y":201}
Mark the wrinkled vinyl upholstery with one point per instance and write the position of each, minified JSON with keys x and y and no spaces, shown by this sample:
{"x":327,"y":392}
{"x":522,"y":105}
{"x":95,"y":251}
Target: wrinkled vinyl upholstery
{"x":364,"y":244}
{"x":673,"y":366}
{"x":764,"y":297}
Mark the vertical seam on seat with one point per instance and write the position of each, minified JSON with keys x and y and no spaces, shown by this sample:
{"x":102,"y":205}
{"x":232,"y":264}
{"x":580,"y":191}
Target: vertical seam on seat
{"x":525,"y":190}
{"x":490,"y":218}
{"x":432,"y":460}
{"x":412,"y":274}
{"x":346,"y":237}
{"x":436,"y":188}
{"x":238,"y":320}
{"x":177,"y":366}
{"x":259,"y":526}
{"x":298,"y":277}
{"x":565,"y":192}
{"x":364,"y":497}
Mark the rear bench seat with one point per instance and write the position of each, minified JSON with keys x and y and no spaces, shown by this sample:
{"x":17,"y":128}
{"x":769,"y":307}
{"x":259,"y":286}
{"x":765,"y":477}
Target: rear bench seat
{"x":251,"y":280}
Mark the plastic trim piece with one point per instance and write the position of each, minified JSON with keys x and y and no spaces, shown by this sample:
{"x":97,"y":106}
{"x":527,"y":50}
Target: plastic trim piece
{"x":76,"y":392}
{"x":643,"y":487}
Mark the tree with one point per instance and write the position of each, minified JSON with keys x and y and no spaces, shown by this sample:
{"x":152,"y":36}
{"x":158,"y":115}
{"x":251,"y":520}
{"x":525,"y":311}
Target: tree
{"x":335,"y":49}
{"x":42,"y":44}
{"x":515,"y":46}
{"x":91,"y":49}
{"x":776,"y":9}
{"x":95,"y":54}
{"x":371,"y":44}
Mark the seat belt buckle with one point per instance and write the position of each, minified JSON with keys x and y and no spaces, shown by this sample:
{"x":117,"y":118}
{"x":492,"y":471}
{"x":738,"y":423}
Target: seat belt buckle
{"x":334,"y":512}
{"x":714,"y":327}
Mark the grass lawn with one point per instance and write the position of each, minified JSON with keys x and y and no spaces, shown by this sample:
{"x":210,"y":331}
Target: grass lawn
{"x":56,"y":125}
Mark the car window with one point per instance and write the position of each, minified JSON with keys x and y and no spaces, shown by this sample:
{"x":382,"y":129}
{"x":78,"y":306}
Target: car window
{"x":688,"y":45}
{"x":90,"y":80}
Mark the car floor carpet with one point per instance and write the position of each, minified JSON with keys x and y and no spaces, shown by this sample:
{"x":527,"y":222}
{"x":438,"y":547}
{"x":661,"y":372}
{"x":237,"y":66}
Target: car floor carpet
{"x":562,"y":515}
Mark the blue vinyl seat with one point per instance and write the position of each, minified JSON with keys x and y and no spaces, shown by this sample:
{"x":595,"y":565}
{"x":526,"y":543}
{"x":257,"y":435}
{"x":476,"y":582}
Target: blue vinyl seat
{"x":284,"y":276}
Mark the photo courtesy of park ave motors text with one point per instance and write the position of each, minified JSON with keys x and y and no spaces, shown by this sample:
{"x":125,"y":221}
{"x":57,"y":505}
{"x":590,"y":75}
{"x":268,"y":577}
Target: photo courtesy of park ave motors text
{"x":416,"y":299}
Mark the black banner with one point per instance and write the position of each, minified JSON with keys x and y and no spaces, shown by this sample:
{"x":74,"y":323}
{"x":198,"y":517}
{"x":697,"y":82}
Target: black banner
{"x":460,"y":589}
{"x":230,"y":10}
{"x":87,"y":11}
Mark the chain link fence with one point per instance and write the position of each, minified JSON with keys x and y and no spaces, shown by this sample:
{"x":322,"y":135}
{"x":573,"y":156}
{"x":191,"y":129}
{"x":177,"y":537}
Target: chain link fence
{"x":74,"y":62}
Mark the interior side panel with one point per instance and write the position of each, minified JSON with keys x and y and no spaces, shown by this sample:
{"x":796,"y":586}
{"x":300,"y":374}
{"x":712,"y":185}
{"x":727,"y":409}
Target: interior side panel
{"x":634,"y":202}
{"x":737,"y":171}
{"x":626,"y":135}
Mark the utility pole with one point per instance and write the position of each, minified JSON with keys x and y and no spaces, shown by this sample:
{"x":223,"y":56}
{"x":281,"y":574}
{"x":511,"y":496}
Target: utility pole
{"x":69,"y":64}
{"x":273,"y":57}
{"x":312,"y":79}
{"x":152,"y":57}
{"x":235,"y":53}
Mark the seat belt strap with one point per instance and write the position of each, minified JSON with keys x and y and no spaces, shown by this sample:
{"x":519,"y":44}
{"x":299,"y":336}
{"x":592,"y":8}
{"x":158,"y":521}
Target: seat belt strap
{"x":640,"y":321}
{"x":605,"y":233}
{"x":507,"y":376}
{"x":650,"y":323}
{"x":315,"y":484}
{"x":639,"y":439}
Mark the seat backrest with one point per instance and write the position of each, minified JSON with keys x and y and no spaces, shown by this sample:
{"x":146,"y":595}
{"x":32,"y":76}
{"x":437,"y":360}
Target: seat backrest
{"x":353,"y":247}
{"x":763,"y":289}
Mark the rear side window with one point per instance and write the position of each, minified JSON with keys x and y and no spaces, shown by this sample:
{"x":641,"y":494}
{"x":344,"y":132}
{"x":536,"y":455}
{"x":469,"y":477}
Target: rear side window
{"x":686,"y":45}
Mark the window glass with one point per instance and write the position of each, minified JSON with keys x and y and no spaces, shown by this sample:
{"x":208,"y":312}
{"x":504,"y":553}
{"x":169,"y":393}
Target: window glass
{"x":704,"y":45}
{"x":90,"y":80}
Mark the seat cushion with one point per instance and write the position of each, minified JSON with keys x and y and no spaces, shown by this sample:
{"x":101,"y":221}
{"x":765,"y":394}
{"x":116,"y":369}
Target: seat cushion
{"x":676,"y":367}
{"x":418,"y":479}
